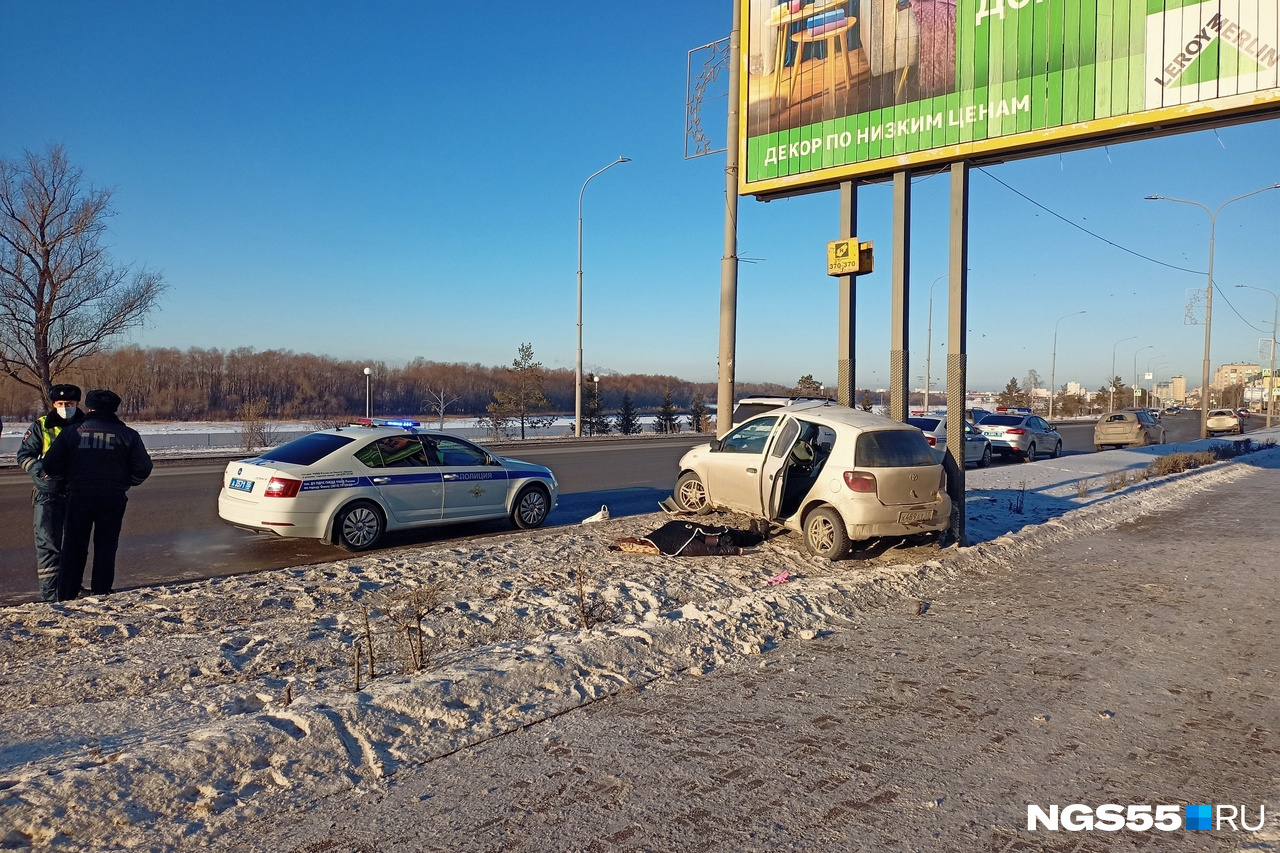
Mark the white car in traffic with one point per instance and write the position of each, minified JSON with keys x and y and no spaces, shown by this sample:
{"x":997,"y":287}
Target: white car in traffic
{"x":350,"y":485}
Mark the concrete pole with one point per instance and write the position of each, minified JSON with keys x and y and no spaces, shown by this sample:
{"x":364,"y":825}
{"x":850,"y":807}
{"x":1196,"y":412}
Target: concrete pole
{"x":899,"y":361}
{"x":846,"y":380}
{"x":729,"y":260}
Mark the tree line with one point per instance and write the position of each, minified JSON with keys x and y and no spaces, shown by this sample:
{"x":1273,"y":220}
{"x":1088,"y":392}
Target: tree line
{"x":157,"y":383}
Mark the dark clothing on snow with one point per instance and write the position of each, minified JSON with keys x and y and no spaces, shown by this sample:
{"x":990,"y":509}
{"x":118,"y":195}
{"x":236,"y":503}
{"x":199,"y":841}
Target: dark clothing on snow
{"x":100,"y":459}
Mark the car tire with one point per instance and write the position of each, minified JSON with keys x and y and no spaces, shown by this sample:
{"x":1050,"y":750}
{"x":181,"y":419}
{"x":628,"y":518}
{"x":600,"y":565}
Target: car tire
{"x":358,"y":526}
{"x":1097,"y":448}
{"x":1030,"y":455}
{"x":531,"y":507}
{"x":1144,"y":441}
{"x":985,"y":461}
{"x":691,"y":494}
{"x":1057,"y":450}
{"x":1163,"y":438}
{"x":824,"y":534}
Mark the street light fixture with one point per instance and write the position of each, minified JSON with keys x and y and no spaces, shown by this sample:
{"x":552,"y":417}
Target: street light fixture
{"x":1134,"y":389}
{"x":368,"y":398}
{"x":1208,"y":296}
{"x":577,"y":385}
{"x":1053,"y":363}
{"x":1270,"y":384}
{"x":1111,"y":380}
{"x":928,"y":344}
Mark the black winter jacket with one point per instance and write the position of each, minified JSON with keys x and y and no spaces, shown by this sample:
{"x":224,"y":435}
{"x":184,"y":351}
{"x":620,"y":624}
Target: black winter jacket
{"x":98,"y":456}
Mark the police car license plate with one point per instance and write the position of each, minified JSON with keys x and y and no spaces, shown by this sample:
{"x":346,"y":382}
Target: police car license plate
{"x":915,"y":515}
{"x":241,"y":485}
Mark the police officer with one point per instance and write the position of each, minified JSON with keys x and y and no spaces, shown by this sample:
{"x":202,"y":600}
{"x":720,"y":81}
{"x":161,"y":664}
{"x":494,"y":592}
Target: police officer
{"x":100,"y":458}
{"x":50,"y":496}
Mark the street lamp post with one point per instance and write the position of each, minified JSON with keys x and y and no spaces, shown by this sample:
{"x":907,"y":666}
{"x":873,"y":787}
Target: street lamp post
{"x":1134,"y":389}
{"x":928,"y":344}
{"x":368,"y":397}
{"x":1111,"y":380}
{"x":1208,"y":296}
{"x":1270,"y":384}
{"x":577,"y":384}
{"x":1053,"y":362}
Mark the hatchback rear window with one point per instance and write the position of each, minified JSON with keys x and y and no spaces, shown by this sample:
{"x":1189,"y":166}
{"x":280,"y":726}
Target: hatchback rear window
{"x":307,"y":450}
{"x":893,"y":448}
{"x":1002,"y":420}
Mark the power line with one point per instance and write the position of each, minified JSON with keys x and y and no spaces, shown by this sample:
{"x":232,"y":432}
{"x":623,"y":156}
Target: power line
{"x":1086,"y":230}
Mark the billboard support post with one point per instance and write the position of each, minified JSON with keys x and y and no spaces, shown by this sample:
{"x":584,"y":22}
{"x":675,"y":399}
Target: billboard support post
{"x":729,"y":261}
{"x":899,"y":360}
{"x":846,"y":335}
{"x":957,"y":345}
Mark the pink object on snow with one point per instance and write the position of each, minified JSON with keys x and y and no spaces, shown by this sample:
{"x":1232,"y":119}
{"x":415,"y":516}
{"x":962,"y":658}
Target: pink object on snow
{"x":782,"y":577}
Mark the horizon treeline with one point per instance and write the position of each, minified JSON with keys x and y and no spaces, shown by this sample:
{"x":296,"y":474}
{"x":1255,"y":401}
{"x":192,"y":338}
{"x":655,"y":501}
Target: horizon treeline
{"x":156,"y":383}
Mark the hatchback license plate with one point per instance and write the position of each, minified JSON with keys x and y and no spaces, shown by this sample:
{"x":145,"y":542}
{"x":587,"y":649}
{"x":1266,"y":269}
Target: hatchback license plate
{"x":915,"y":515}
{"x":241,"y":485}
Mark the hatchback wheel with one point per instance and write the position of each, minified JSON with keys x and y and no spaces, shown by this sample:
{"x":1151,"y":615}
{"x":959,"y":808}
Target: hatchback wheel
{"x":824,"y":534}
{"x":691,"y":494}
{"x":358,"y":527}
{"x":531,"y":508}
{"x":1057,"y":450}
{"x":1030,"y":454}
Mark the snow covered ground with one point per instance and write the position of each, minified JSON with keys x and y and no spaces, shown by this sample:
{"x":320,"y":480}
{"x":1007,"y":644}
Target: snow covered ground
{"x":160,"y":718}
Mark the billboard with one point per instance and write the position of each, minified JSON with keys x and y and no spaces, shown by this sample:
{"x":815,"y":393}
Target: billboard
{"x":841,"y":89}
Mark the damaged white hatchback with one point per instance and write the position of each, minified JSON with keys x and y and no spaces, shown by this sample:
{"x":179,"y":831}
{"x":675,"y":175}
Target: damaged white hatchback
{"x":837,"y":475}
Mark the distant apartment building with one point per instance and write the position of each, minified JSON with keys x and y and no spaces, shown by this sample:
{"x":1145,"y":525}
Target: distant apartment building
{"x":1172,"y":392}
{"x":1075,"y":389}
{"x":1233,"y":374}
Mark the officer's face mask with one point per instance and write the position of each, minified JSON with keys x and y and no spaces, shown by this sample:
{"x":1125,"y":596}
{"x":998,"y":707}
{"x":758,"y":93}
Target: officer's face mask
{"x":66,"y":411}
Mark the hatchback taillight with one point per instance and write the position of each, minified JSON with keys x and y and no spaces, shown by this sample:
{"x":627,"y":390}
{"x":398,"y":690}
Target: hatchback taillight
{"x":860,"y":481}
{"x":1015,"y":431}
{"x":282,"y":487}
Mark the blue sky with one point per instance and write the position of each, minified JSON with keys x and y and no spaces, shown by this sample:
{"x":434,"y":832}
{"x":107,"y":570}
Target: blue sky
{"x":384,"y":181}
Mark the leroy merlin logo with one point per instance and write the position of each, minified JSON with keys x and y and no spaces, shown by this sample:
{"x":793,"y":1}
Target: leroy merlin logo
{"x":1221,"y":48}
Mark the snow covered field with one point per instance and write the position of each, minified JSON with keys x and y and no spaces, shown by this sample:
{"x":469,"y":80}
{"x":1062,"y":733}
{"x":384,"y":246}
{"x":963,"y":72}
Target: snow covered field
{"x":160,"y":718}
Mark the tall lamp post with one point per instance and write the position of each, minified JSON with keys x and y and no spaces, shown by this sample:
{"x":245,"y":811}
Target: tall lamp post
{"x":1270,"y":384}
{"x":368,"y":398}
{"x":1053,"y":362}
{"x":928,"y":345}
{"x":1208,"y":296}
{"x":1134,"y":389}
{"x":1111,"y":380}
{"x":577,"y":385}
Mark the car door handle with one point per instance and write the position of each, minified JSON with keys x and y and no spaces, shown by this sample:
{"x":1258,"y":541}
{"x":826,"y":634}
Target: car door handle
{"x":381,"y":481}
{"x":449,"y":477}
{"x":753,"y":471}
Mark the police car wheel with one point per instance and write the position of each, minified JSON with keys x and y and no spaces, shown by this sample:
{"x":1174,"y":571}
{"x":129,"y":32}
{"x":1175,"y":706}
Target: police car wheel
{"x":358,"y":527}
{"x":531,"y":508}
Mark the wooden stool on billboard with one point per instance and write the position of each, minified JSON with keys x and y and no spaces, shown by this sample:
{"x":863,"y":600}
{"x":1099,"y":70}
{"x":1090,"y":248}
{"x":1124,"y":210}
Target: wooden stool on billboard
{"x":837,"y":36}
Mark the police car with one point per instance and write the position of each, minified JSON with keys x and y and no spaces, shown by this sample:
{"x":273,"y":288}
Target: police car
{"x":350,"y":485}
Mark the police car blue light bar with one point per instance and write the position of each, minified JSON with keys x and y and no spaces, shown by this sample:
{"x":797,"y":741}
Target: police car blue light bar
{"x":406,"y":424}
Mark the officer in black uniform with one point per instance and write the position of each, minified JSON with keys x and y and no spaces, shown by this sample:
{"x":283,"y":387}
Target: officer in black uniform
{"x":100,"y":458}
{"x":49,"y":497}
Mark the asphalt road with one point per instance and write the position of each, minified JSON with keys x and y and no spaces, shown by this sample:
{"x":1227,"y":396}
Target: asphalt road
{"x":172,"y":531}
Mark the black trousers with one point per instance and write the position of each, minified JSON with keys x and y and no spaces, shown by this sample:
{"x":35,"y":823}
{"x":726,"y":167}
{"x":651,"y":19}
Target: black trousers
{"x":90,"y":515}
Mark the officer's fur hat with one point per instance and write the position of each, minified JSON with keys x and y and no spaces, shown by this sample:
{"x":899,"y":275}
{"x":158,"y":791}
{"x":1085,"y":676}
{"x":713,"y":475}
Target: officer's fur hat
{"x":64,"y":392}
{"x":102,"y":401}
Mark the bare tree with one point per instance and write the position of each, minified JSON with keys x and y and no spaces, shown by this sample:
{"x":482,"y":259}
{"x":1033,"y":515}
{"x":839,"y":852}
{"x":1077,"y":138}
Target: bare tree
{"x":437,"y":401}
{"x":62,"y":295}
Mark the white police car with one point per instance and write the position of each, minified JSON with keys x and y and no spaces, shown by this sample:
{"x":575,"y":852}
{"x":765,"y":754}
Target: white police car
{"x":349,"y":485}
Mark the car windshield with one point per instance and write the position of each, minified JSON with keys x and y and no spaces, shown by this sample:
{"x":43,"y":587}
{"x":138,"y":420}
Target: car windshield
{"x":1002,"y":420}
{"x":926,"y":424}
{"x":307,"y":450}
{"x":749,"y":438}
{"x":893,"y":448}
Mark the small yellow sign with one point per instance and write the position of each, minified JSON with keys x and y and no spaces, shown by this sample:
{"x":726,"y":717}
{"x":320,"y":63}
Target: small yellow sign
{"x":849,"y":257}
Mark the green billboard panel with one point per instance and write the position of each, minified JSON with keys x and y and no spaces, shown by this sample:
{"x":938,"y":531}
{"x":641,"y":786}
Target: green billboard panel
{"x":841,"y":89}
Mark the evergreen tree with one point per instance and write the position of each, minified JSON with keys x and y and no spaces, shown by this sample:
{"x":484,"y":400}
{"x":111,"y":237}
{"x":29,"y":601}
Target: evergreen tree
{"x":524,"y":396}
{"x":627,"y":421}
{"x":594,"y":420}
{"x":699,"y":414}
{"x":1012,"y":395}
{"x":865,"y":405}
{"x":667,"y":420}
{"x":807,"y":386}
